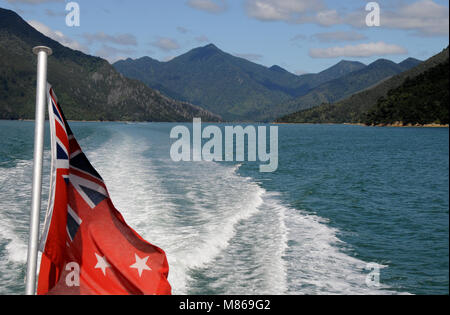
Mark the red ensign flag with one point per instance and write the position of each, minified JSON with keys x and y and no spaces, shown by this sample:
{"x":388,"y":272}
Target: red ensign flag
{"x":87,"y":246}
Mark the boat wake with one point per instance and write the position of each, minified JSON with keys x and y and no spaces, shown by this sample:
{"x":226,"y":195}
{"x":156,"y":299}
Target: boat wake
{"x":15,"y":196}
{"x":222,"y":232}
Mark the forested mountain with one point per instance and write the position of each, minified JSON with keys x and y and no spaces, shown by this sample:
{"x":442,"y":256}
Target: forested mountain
{"x":89,"y":88}
{"x":355,"y":108}
{"x":348,"y":84}
{"x":238,"y":89}
{"x":423,"y":99}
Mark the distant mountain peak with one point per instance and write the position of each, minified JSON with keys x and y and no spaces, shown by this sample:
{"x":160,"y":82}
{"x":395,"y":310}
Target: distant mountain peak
{"x":211,"y":46}
{"x":89,"y":86}
{"x":410,"y":63}
{"x":277,"y":68}
{"x":201,"y":53}
{"x":9,"y":13}
{"x":382,"y":63}
{"x":343,"y":62}
{"x":349,"y":63}
{"x":411,"y":59}
{"x":147,"y":59}
{"x":12,"y":22}
{"x":342,"y":68}
{"x":383,"y":60}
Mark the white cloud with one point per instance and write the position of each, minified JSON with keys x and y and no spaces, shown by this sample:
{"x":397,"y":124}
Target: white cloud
{"x":339,"y":36}
{"x":361,"y":50}
{"x":424,"y":18}
{"x":58,"y":36}
{"x":263,"y":10}
{"x":328,"y":17}
{"x":166,"y":44}
{"x":210,"y":6}
{"x":283,"y":10}
{"x":293,"y":11}
{"x":421,"y":18}
{"x":119,"y":39}
{"x":52,"y":13}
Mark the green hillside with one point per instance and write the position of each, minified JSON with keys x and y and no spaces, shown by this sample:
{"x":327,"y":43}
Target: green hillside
{"x":232,"y":87}
{"x":88,"y":87}
{"x":355,"y":108}
{"x":423,"y":99}
{"x":348,"y":84}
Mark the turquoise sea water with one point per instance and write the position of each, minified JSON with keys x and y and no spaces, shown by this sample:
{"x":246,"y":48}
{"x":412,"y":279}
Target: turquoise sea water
{"x":342,"y":198}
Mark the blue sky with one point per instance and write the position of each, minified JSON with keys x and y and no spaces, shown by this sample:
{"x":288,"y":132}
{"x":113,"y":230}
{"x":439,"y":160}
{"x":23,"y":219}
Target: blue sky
{"x":300,"y":35}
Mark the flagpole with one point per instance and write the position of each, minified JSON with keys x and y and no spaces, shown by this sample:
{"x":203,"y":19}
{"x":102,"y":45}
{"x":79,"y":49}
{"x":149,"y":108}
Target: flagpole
{"x":33,"y":241}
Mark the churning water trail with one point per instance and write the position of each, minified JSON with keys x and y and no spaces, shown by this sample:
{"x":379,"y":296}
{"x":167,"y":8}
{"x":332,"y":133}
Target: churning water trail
{"x":222,"y":232}
{"x":15,"y":194}
{"x":184,"y":210}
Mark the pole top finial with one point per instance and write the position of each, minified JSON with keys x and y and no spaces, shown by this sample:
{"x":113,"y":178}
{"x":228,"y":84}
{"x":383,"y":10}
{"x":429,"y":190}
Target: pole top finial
{"x":38,"y":49}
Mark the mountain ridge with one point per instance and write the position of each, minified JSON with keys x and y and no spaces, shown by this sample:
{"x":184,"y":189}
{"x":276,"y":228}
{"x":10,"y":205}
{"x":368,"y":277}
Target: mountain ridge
{"x":354,"y":108}
{"x":238,"y":89}
{"x":223,"y":86}
{"x":348,"y":84}
{"x":419,"y":100}
{"x":88,"y":87}
{"x":233,"y":87}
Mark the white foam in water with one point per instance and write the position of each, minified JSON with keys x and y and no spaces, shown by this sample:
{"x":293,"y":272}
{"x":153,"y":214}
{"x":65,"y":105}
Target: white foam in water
{"x":193,"y":222}
{"x":240,"y":238}
{"x":286,"y":251}
{"x":14,"y":186}
{"x":222,"y":233}
{"x":316,"y":262}
{"x":253,"y":262}
{"x":15,"y":196}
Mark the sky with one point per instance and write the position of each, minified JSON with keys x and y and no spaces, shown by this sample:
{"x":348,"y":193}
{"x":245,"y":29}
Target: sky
{"x":302,"y":36}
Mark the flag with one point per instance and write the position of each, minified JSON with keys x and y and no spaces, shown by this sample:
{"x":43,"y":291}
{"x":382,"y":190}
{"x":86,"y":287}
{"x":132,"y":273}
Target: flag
{"x":87,"y":247}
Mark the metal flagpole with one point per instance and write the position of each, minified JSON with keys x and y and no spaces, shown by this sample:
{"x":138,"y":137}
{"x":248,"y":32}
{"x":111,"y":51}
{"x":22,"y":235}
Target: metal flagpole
{"x":33,"y":241}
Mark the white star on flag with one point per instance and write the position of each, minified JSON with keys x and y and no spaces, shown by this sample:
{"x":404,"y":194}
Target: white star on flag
{"x":141,"y":264}
{"x":101,"y":263}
